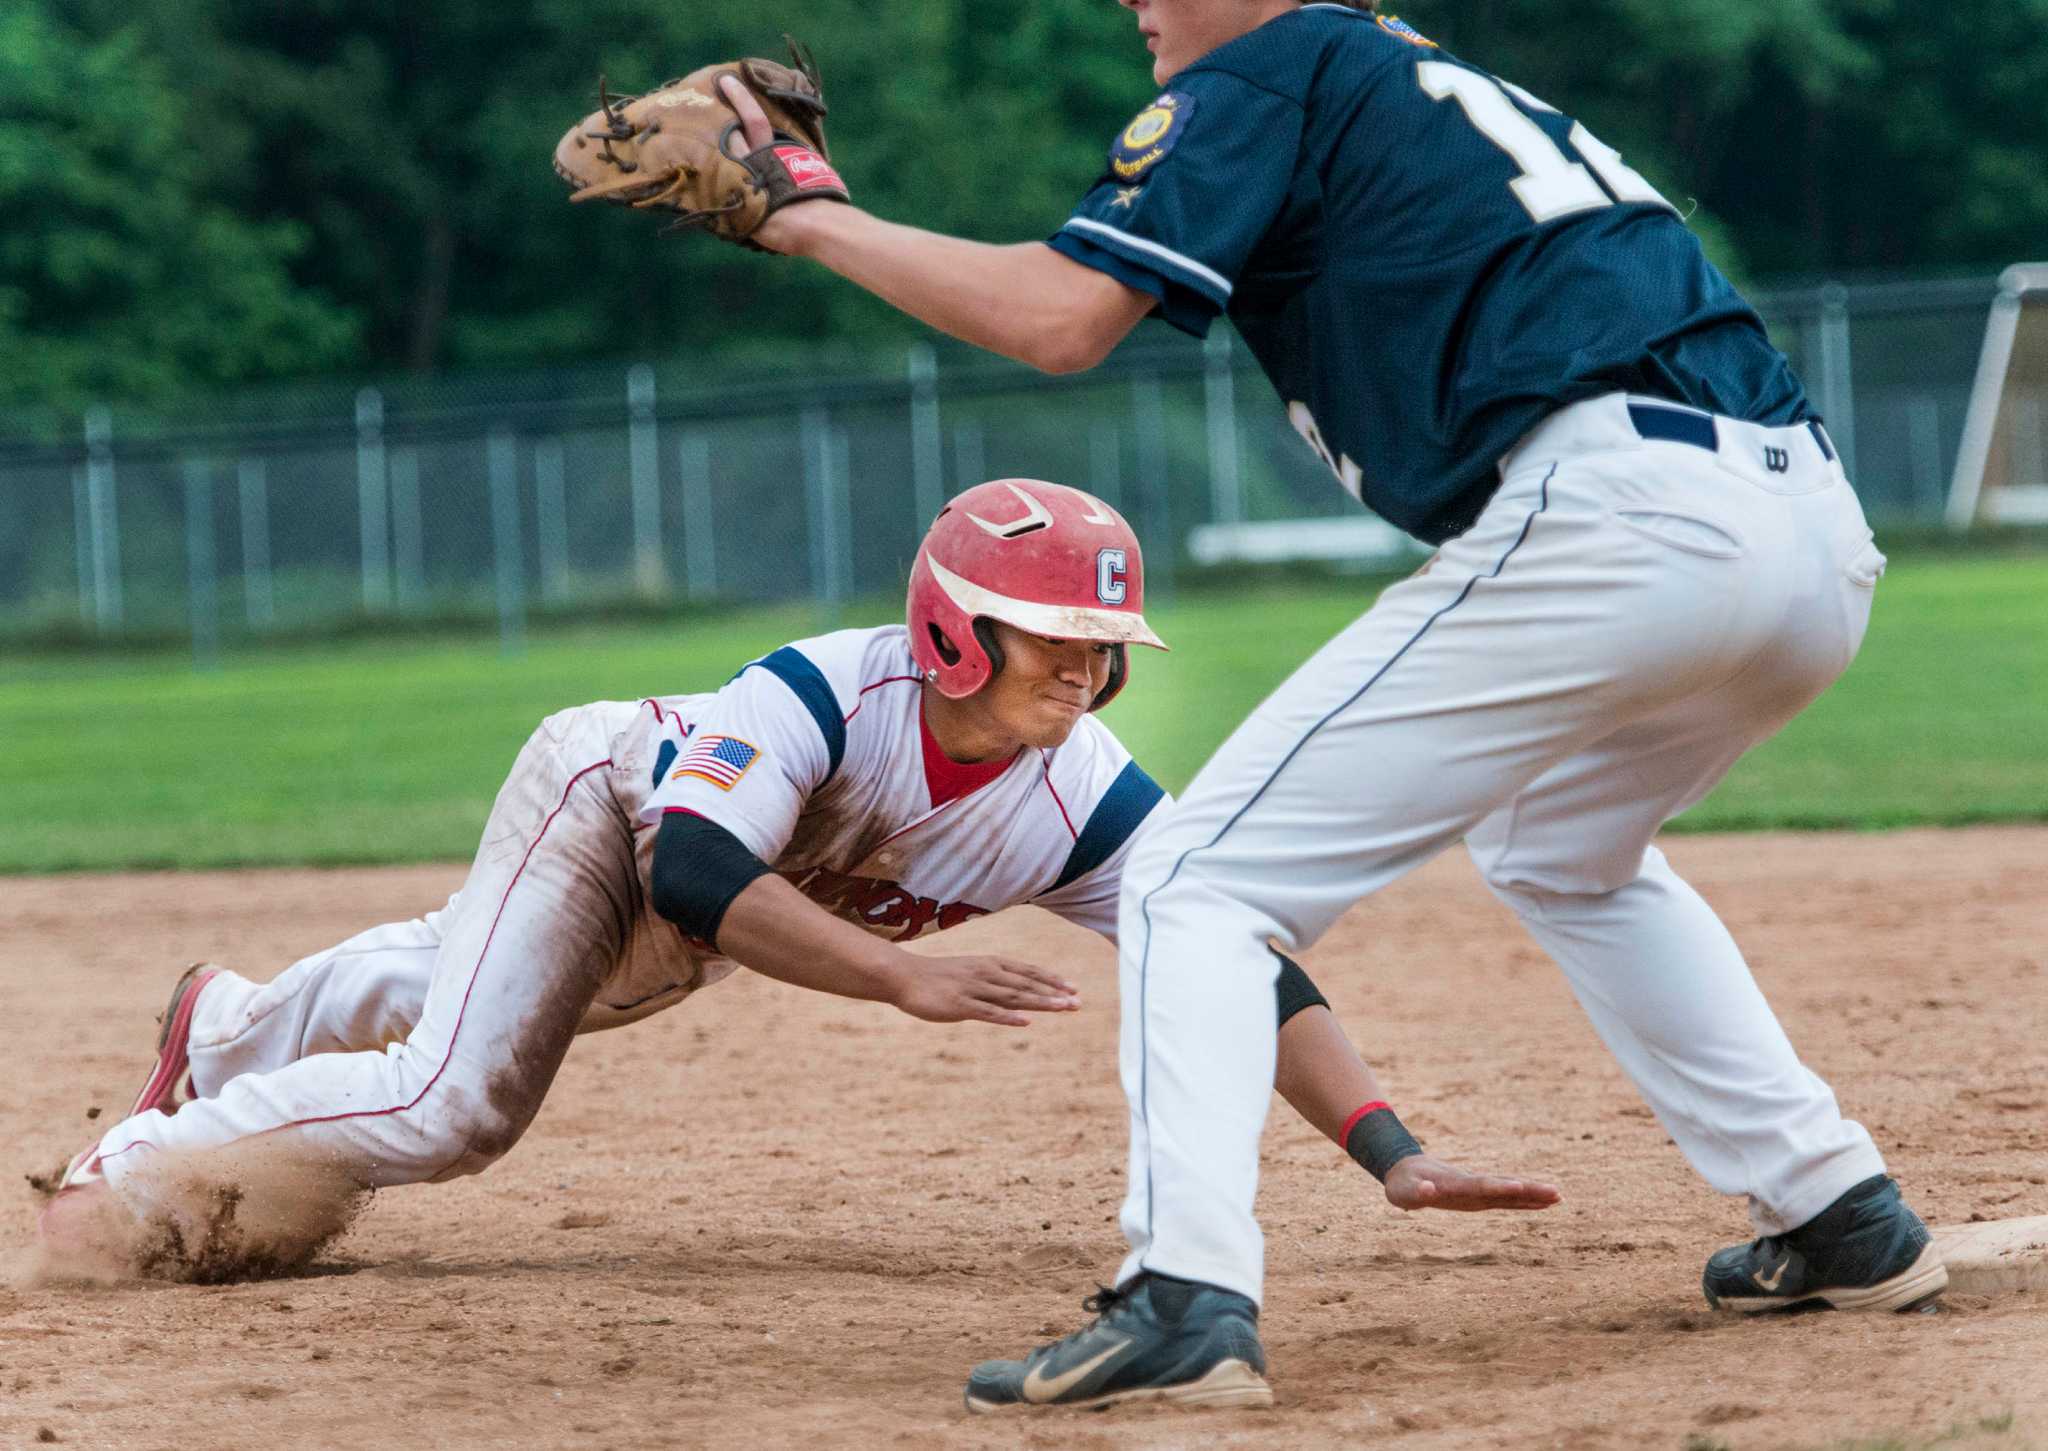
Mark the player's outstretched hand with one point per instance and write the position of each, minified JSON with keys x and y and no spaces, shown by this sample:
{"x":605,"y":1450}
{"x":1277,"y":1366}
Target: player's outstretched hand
{"x":1421,"y":1182}
{"x":983,"y":990}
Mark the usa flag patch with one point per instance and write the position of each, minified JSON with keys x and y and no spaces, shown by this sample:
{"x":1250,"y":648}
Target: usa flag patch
{"x":721,"y":760}
{"x":1394,"y":25}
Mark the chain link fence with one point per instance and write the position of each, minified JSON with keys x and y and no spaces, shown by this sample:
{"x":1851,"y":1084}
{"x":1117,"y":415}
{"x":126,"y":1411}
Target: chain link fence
{"x":289,"y":510}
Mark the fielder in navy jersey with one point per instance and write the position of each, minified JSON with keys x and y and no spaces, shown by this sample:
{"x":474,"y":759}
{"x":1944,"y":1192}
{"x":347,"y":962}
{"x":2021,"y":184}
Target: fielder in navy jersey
{"x":1503,"y":339}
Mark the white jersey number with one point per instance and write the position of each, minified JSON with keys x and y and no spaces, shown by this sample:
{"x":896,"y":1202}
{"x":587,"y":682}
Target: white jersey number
{"x":1348,"y":473}
{"x":1551,"y":184}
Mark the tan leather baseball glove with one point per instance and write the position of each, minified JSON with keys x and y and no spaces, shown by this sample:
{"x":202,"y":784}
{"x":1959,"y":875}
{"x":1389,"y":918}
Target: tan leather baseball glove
{"x":674,"y":149}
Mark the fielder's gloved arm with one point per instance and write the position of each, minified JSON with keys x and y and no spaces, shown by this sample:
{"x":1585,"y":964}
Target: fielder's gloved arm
{"x":680,"y":149}
{"x":699,"y":867}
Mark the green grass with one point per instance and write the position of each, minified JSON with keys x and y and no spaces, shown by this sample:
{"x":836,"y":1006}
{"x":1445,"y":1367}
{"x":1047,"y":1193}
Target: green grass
{"x":1983,"y":1431}
{"x":390,"y":750}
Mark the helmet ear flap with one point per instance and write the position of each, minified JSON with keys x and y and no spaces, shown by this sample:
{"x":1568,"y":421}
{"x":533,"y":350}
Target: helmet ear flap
{"x":985,"y":636}
{"x":1119,"y":672}
{"x":948,"y":652}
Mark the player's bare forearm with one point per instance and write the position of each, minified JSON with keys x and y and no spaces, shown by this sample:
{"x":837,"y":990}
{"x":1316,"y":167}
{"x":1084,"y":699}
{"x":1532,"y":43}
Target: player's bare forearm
{"x":1025,"y":301}
{"x":780,"y":933}
{"x":1320,"y":1074}
{"x":1322,"y":1077}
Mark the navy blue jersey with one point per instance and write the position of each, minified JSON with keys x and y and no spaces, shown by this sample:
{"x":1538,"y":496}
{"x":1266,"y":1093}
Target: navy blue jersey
{"x":1425,"y":260}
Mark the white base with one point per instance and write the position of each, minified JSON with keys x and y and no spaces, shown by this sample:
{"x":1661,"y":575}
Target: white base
{"x":1996,"y":1257}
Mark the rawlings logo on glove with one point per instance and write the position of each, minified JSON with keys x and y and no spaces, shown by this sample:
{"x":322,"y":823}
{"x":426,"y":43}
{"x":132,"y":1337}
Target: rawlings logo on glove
{"x":673,"y":149}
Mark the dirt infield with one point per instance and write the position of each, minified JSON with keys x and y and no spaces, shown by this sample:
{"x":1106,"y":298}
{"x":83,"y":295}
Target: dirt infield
{"x":768,"y":1218}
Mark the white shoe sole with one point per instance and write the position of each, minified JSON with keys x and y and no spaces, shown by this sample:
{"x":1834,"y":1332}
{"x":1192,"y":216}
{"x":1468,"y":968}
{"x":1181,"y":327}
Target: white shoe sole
{"x":1228,"y":1385}
{"x":1918,"y":1283}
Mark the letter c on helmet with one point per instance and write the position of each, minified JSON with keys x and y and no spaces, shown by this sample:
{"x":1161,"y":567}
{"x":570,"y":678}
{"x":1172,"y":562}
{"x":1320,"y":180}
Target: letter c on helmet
{"x":1111,"y":572}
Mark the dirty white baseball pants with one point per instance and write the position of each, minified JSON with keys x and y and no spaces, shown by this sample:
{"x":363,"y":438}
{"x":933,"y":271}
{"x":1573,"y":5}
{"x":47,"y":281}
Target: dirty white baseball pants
{"x":1626,"y":618}
{"x":422,"y":1050}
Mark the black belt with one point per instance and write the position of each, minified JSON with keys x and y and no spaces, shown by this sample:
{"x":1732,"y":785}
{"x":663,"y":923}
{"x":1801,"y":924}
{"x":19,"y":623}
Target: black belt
{"x":1682,"y":425}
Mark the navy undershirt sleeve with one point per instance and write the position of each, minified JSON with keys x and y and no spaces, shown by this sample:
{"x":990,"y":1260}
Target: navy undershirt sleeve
{"x":1294,"y":990}
{"x":699,"y":867}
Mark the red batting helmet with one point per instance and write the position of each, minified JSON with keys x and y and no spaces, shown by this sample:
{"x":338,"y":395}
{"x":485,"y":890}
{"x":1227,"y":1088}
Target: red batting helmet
{"x":1040,"y":557}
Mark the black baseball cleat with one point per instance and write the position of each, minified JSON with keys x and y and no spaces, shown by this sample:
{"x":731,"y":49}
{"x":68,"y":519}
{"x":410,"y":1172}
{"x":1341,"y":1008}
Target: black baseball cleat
{"x":1159,"y":1339}
{"x":1865,"y":1251}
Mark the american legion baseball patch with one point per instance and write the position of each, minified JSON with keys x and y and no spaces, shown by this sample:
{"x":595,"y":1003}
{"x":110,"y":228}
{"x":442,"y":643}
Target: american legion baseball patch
{"x":1152,"y":133}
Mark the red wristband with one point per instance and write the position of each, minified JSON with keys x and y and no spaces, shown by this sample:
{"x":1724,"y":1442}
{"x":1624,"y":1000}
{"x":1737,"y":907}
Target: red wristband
{"x":1358,"y":1113}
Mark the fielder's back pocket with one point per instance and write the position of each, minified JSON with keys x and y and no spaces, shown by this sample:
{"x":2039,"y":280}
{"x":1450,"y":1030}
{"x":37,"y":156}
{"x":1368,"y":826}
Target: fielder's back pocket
{"x":1866,"y":565}
{"x":1689,"y":532}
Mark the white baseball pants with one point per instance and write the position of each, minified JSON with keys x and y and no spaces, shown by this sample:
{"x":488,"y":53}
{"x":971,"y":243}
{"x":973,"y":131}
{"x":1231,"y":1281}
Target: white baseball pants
{"x":422,"y":1050}
{"x":1625,"y":619}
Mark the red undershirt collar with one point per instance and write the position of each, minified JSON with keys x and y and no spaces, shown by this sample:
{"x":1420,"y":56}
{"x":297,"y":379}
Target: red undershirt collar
{"x":947,"y":779}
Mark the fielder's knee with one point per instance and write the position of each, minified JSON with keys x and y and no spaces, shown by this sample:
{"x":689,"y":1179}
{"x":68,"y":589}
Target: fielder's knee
{"x":1524,"y":899}
{"x":1523,"y":883}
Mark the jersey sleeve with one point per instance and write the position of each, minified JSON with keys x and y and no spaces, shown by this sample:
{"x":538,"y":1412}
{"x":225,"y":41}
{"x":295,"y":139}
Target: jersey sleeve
{"x":1088,"y":887}
{"x":1191,"y":185}
{"x":751,"y":756}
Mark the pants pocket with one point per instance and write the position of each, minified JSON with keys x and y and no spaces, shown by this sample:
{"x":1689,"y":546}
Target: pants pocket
{"x":1689,"y":532}
{"x":1865,"y":566}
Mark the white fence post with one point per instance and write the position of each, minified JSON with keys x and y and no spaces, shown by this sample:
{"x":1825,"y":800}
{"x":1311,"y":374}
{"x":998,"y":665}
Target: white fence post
{"x":1837,"y":387}
{"x":1923,"y":437}
{"x":202,"y":594}
{"x":693,"y":464}
{"x":839,"y":505}
{"x":501,"y":454}
{"x":81,"y":540}
{"x":1219,"y":396}
{"x":650,"y":571}
{"x":408,"y":534}
{"x":927,"y":443}
{"x":372,"y":500}
{"x":551,"y":518}
{"x":1148,"y":417}
{"x":252,"y":484}
{"x":824,"y":451}
{"x":104,"y":505}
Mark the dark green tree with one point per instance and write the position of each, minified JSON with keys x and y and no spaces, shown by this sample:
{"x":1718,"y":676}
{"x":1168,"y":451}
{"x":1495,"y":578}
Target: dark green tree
{"x":260,"y":190}
{"x":1818,"y":135}
{"x":120,"y":276}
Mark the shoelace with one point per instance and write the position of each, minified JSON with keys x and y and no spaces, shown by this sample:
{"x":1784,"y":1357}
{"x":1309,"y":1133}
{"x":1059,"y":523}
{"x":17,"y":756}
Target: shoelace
{"x":1103,"y":1300}
{"x":1098,"y":1304}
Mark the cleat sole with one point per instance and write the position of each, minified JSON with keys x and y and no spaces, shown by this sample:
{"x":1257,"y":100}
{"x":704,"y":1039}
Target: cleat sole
{"x":1228,"y":1385}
